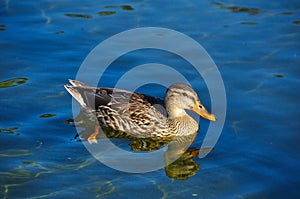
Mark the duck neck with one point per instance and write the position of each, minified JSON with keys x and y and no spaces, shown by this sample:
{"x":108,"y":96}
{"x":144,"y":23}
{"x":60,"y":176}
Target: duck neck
{"x":175,"y":112}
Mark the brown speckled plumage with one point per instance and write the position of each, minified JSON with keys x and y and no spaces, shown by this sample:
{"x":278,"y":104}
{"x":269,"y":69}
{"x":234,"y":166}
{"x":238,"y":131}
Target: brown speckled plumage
{"x":138,"y":114}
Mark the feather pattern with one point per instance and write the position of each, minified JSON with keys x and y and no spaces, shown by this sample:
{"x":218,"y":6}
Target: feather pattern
{"x":137,"y":114}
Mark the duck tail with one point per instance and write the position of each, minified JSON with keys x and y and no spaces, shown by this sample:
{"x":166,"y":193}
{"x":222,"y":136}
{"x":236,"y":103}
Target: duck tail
{"x":75,"y":93}
{"x":77,"y":83}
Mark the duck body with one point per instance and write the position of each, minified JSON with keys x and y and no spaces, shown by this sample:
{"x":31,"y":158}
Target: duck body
{"x":138,"y":114}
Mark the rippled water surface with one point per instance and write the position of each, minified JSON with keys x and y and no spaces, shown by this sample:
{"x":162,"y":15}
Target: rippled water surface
{"x":254,"y":44}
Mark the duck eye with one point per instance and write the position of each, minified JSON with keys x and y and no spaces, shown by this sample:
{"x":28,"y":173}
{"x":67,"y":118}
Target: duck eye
{"x":200,"y":106}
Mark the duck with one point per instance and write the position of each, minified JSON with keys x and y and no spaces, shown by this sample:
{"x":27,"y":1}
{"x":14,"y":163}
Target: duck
{"x":138,"y":114}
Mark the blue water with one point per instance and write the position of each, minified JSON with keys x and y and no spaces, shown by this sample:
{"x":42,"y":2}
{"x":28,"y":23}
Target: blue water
{"x":254,"y":44}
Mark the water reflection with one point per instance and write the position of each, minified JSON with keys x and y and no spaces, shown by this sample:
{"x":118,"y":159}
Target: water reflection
{"x":178,"y":157}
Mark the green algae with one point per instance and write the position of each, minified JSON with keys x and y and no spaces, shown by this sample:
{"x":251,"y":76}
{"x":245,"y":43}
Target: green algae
{"x":106,"y":13}
{"x":47,"y":115}
{"x":238,"y":9}
{"x":9,"y":130}
{"x":84,"y":16}
{"x":13,"y":82}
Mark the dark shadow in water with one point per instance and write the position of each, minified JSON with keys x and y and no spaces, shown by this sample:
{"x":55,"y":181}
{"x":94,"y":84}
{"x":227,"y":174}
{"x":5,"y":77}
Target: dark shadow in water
{"x":2,"y":27}
{"x":287,"y":13}
{"x":177,"y":168}
{"x":85,"y":16}
{"x":248,"y":23}
{"x":111,"y":12}
{"x":237,"y":9}
{"x":123,"y":7}
{"x":296,"y":22}
{"x":13,"y":82}
{"x":279,"y":75}
{"x":47,"y":115}
{"x":59,"y":32}
{"x":106,"y":13}
{"x":9,"y":130}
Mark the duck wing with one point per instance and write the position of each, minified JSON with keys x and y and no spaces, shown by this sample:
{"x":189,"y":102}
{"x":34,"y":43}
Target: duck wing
{"x":137,"y":114}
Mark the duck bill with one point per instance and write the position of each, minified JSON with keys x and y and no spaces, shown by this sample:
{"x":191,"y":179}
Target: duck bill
{"x":201,"y":110}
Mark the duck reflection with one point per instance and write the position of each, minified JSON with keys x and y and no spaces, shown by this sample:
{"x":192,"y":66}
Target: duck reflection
{"x":179,"y":158}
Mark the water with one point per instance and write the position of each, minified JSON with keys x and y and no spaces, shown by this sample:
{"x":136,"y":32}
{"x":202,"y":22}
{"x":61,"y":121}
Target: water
{"x":254,"y":44}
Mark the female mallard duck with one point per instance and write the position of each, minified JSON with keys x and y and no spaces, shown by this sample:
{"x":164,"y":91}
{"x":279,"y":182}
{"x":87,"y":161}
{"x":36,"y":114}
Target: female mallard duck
{"x":141,"y":115}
